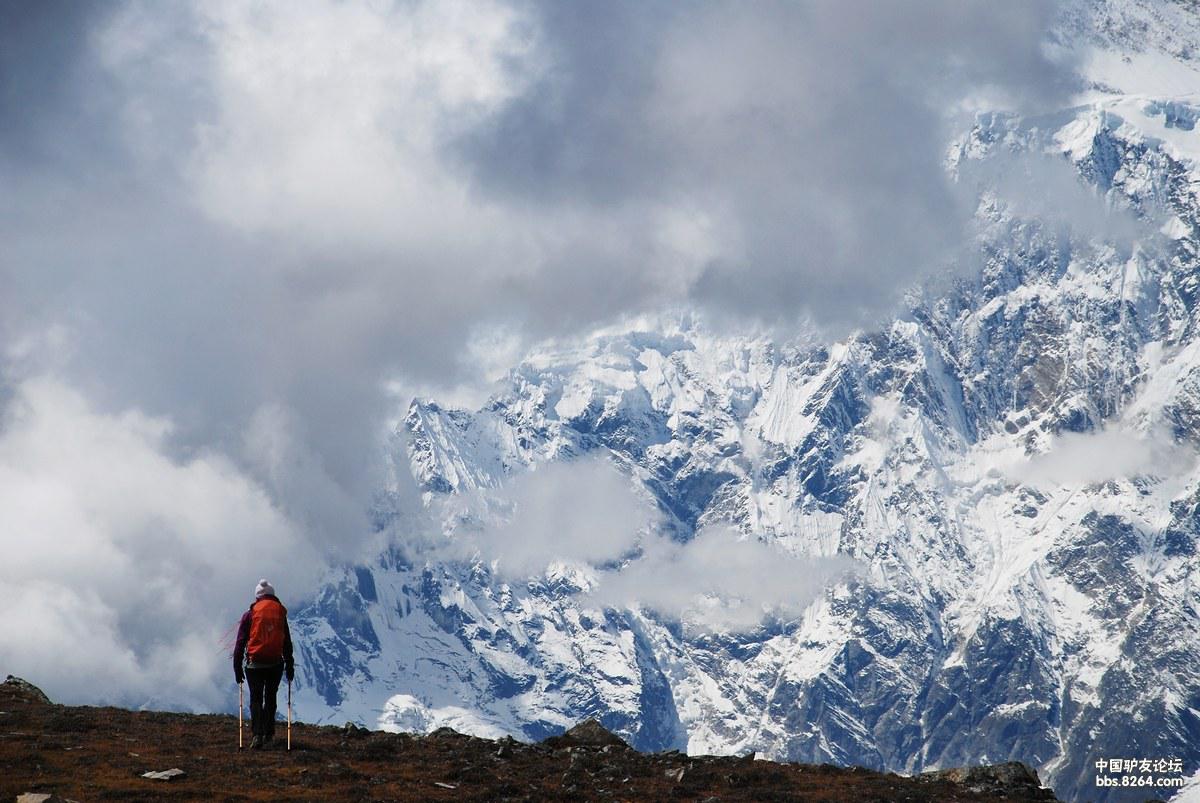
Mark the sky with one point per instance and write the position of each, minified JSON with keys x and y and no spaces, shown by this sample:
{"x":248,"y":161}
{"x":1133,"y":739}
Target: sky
{"x":237,"y":237}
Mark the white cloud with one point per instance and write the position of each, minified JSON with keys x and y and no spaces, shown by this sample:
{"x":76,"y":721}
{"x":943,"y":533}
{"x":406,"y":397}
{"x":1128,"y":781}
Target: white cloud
{"x":124,"y":568}
{"x":581,"y":512}
{"x":284,"y":464}
{"x":327,"y":118}
{"x":1105,"y":454}
{"x":722,"y":580}
{"x":1048,"y":188}
{"x":586,"y":515}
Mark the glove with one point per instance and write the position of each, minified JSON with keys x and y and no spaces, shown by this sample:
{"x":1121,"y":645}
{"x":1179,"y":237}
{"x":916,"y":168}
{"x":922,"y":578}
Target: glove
{"x":239,"y":676}
{"x":289,"y":669}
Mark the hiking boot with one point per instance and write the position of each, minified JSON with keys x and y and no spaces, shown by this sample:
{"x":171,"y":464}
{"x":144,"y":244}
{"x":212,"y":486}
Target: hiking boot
{"x":266,"y":741}
{"x":256,"y":743}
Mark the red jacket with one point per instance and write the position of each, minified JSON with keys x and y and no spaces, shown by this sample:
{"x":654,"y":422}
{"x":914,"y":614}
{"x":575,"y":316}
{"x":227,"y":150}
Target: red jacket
{"x":246,"y":649}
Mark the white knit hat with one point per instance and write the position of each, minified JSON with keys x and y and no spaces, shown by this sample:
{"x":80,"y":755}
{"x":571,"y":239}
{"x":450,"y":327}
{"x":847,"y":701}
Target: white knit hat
{"x":264,"y":589}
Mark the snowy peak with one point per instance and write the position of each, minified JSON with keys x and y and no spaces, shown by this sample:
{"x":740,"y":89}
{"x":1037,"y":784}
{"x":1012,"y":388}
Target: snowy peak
{"x":1011,"y":467}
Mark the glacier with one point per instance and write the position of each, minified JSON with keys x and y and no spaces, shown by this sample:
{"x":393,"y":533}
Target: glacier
{"x":1011,"y":466}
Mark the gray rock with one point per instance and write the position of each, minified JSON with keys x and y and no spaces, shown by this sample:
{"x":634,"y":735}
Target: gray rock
{"x":1010,"y":779}
{"x":591,"y":732}
{"x":26,"y":688}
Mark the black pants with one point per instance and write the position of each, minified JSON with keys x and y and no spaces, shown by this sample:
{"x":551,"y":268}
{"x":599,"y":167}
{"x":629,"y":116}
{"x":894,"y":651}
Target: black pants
{"x":264,"y":684}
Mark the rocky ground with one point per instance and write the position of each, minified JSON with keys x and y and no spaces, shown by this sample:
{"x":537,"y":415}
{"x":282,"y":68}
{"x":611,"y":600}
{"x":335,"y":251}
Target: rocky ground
{"x":85,"y":753}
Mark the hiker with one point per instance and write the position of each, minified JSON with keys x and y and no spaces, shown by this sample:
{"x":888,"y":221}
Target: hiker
{"x":264,"y":643}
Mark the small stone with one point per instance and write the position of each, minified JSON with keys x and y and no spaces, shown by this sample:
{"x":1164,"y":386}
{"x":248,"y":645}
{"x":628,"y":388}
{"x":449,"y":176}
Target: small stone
{"x":675,"y":775}
{"x":165,"y":775}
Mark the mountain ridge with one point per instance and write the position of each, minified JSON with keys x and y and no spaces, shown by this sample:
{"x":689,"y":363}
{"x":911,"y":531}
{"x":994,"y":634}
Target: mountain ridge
{"x":1015,"y":599}
{"x":87,"y":753}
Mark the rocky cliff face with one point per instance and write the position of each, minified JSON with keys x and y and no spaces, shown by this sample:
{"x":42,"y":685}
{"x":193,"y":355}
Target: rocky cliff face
{"x":1011,"y":465}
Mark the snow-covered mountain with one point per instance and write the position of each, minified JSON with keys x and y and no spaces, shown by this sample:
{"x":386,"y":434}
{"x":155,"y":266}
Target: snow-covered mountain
{"x":1011,"y":465}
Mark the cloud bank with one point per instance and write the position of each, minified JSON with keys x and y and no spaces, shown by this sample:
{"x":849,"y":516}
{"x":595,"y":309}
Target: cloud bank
{"x":586,"y":515}
{"x":1113,"y":453}
{"x":232,"y":231}
{"x":581,"y":512}
{"x":124,"y":569}
{"x":721,"y":580}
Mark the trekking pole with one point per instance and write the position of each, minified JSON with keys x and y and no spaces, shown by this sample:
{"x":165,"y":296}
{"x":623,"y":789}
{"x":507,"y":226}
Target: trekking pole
{"x":289,"y":746}
{"x":240,"y":704}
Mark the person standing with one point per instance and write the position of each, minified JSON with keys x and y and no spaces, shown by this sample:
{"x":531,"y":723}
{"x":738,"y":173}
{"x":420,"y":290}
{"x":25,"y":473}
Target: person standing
{"x":261,"y":657}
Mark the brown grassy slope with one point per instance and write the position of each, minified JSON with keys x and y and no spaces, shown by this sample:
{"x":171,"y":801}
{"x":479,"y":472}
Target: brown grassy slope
{"x":90,"y":754}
